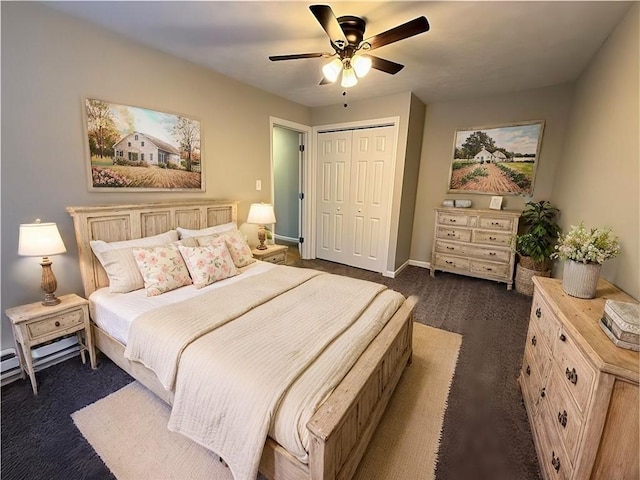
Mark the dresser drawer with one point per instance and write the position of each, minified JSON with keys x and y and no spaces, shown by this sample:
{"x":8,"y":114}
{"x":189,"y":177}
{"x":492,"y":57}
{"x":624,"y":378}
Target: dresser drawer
{"x":576,"y":373}
{"x":544,"y":320}
{"x":488,"y":253}
{"x":453,"y":219}
{"x":530,"y":380}
{"x":41,"y":328}
{"x":568,"y":418}
{"x":447,"y":261}
{"x":494,"y":223}
{"x":554,"y":459}
{"x":492,"y":238}
{"x":538,"y":352}
{"x":451,"y":233}
{"x":451,"y":248}
{"x":490,"y":269}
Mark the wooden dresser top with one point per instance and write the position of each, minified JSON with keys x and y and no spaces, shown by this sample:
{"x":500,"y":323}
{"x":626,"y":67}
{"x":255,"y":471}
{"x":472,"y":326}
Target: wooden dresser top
{"x":581,"y":317}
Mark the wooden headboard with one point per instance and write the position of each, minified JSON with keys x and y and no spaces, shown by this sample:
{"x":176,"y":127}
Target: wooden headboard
{"x":113,"y":223}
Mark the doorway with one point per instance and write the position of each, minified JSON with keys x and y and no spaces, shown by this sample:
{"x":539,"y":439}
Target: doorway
{"x":289,"y":147}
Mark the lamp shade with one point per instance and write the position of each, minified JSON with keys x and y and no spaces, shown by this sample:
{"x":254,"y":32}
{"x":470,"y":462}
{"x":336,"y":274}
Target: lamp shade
{"x":349,"y":78}
{"x":261,"y":214}
{"x":361,"y":65}
{"x":332,"y":69}
{"x":40,"y":240}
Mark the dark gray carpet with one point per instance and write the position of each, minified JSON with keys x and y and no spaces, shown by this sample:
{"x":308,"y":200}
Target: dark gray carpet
{"x":486,"y":434}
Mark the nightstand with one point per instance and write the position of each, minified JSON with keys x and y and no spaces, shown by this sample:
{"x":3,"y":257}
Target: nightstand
{"x":273,"y":254}
{"x":34,"y":324}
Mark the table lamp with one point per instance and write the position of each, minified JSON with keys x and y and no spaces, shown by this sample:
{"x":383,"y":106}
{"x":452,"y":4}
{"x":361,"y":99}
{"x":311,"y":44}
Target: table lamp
{"x":261,"y":214}
{"x":41,"y":240}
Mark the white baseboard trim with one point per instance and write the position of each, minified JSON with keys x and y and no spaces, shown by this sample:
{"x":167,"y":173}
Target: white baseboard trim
{"x":286,"y":239}
{"x":420,"y":263}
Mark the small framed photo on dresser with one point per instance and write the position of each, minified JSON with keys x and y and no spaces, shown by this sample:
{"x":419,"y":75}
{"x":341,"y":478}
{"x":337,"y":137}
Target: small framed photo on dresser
{"x":496,"y":203}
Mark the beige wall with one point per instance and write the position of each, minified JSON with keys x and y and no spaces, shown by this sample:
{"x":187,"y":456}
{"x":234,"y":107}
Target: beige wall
{"x":550,"y":104}
{"x":598,"y":178}
{"x":50,"y":63}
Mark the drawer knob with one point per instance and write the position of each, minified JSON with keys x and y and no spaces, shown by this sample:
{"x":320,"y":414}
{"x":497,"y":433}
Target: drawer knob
{"x":492,"y":254}
{"x":572,"y":375}
{"x":563,"y":337}
{"x":452,"y":220}
{"x":489,"y":269}
{"x":538,"y":312}
{"x":543,"y":393}
{"x":534,"y":341}
{"x":448,"y":262}
{"x":450,"y":248}
{"x":555,"y":462}
{"x":492,"y":238}
{"x":528,"y":370}
{"x":562,"y":418}
{"x":57,"y":324}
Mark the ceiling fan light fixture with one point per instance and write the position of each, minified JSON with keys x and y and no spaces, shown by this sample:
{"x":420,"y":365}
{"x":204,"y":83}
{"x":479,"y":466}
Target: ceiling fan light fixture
{"x":349,"y":78}
{"x":331,"y":70}
{"x":361,"y":65}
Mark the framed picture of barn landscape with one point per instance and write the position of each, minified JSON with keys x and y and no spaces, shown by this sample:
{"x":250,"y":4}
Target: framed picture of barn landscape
{"x":496,"y":160}
{"x":137,"y":149}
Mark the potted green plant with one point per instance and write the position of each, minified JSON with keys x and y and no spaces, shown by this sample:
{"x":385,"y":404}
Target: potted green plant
{"x":536,"y":244}
{"x":584,"y":251}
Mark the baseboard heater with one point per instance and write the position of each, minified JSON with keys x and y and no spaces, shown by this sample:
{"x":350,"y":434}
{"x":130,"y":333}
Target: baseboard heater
{"x":43,"y":357}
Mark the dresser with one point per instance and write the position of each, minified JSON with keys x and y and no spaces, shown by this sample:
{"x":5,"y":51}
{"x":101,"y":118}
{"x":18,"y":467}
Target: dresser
{"x":475,"y":242}
{"x":580,"y":390}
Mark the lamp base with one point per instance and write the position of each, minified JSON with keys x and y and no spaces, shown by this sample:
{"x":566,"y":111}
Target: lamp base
{"x":261,"y":238}
{"x":50,"y":299}
{"x":49,"y":284}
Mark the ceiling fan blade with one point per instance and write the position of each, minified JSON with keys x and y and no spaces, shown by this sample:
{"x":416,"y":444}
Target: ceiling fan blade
{"x":406,"y":30}
{"x":329,"y":23}
{"x":294,"y":56}
{"x":383,"y":65}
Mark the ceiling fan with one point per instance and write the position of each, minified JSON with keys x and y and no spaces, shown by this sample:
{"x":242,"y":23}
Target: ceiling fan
{"x":346,"y":34}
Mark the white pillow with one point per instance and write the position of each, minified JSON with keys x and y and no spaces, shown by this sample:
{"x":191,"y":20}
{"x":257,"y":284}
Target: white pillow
{"x":117,"y":260}
{"x":225,"y":227}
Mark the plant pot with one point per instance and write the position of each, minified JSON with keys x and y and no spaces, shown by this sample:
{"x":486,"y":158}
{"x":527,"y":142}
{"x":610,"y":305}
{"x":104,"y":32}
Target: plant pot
{"x":524,"y":278}
{"x":580,"y":279}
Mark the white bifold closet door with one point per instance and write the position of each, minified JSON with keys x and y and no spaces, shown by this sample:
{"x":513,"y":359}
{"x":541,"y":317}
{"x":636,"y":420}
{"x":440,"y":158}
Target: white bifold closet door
{"x":355,"y":178}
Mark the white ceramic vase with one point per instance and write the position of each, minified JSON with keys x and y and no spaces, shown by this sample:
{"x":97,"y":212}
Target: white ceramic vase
{"x":580,"y":279}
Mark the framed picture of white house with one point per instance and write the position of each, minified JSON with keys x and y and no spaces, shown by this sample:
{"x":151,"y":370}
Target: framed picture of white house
{"x":137,"y":149}
{"x":496,"y":160}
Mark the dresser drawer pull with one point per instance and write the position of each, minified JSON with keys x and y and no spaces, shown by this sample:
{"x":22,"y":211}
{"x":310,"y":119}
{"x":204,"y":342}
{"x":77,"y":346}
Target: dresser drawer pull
{"x":57,"y":324}
{"x":534,"y":341}
{"x":450,"y":248}
{"x":449,"y":262}
{"x":562,"y":418}
{"x":543,"y":392}
{"x":555,"y":461}
{"x":492,"y":238}
{"x":563,"y":337}
{"x":492,"y":254}
{"x":495,"y":223}
{"x":452,"y":220}
{"x":572,"y":376}
{"x":528,"y":370}
{"x":538,"y":312}
{"x":451,"y":234}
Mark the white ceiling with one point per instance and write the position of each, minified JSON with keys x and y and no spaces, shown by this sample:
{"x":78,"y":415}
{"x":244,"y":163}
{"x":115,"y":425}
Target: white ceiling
{"x":473,"y":48}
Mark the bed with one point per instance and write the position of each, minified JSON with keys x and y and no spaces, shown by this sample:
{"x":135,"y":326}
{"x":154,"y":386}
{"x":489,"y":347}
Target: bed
{"x":344,"y":423}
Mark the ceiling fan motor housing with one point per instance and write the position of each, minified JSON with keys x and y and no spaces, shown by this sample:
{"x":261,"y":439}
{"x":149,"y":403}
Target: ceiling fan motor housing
{"x":353,"y":28}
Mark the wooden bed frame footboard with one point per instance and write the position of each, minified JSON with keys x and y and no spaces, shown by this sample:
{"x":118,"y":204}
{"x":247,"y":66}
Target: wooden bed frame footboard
{"x":344,"y":424}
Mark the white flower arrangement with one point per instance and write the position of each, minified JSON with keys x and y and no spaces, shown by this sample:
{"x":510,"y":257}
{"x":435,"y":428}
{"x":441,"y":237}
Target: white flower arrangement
{"x":587,"y":246}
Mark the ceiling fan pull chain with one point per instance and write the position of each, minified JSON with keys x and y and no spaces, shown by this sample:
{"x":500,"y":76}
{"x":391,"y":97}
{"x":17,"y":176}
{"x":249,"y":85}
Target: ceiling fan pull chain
{"x":344,"y":94}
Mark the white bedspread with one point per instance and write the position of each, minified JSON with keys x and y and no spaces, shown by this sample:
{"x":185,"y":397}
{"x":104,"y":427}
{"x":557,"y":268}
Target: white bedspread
{"x":233,"y":376}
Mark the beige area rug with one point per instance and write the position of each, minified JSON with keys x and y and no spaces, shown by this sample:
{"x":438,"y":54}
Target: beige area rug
{"x":128,"y":429}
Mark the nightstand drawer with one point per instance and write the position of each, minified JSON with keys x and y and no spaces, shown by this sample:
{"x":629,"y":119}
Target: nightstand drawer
{"x":276,"y":258}
{"x":42,"y":328}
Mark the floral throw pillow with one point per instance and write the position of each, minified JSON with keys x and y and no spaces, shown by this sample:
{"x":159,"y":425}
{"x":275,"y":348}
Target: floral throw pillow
{"x":237,"y":245}
{"x":162,"y":268}
{"x":209,"y":264}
